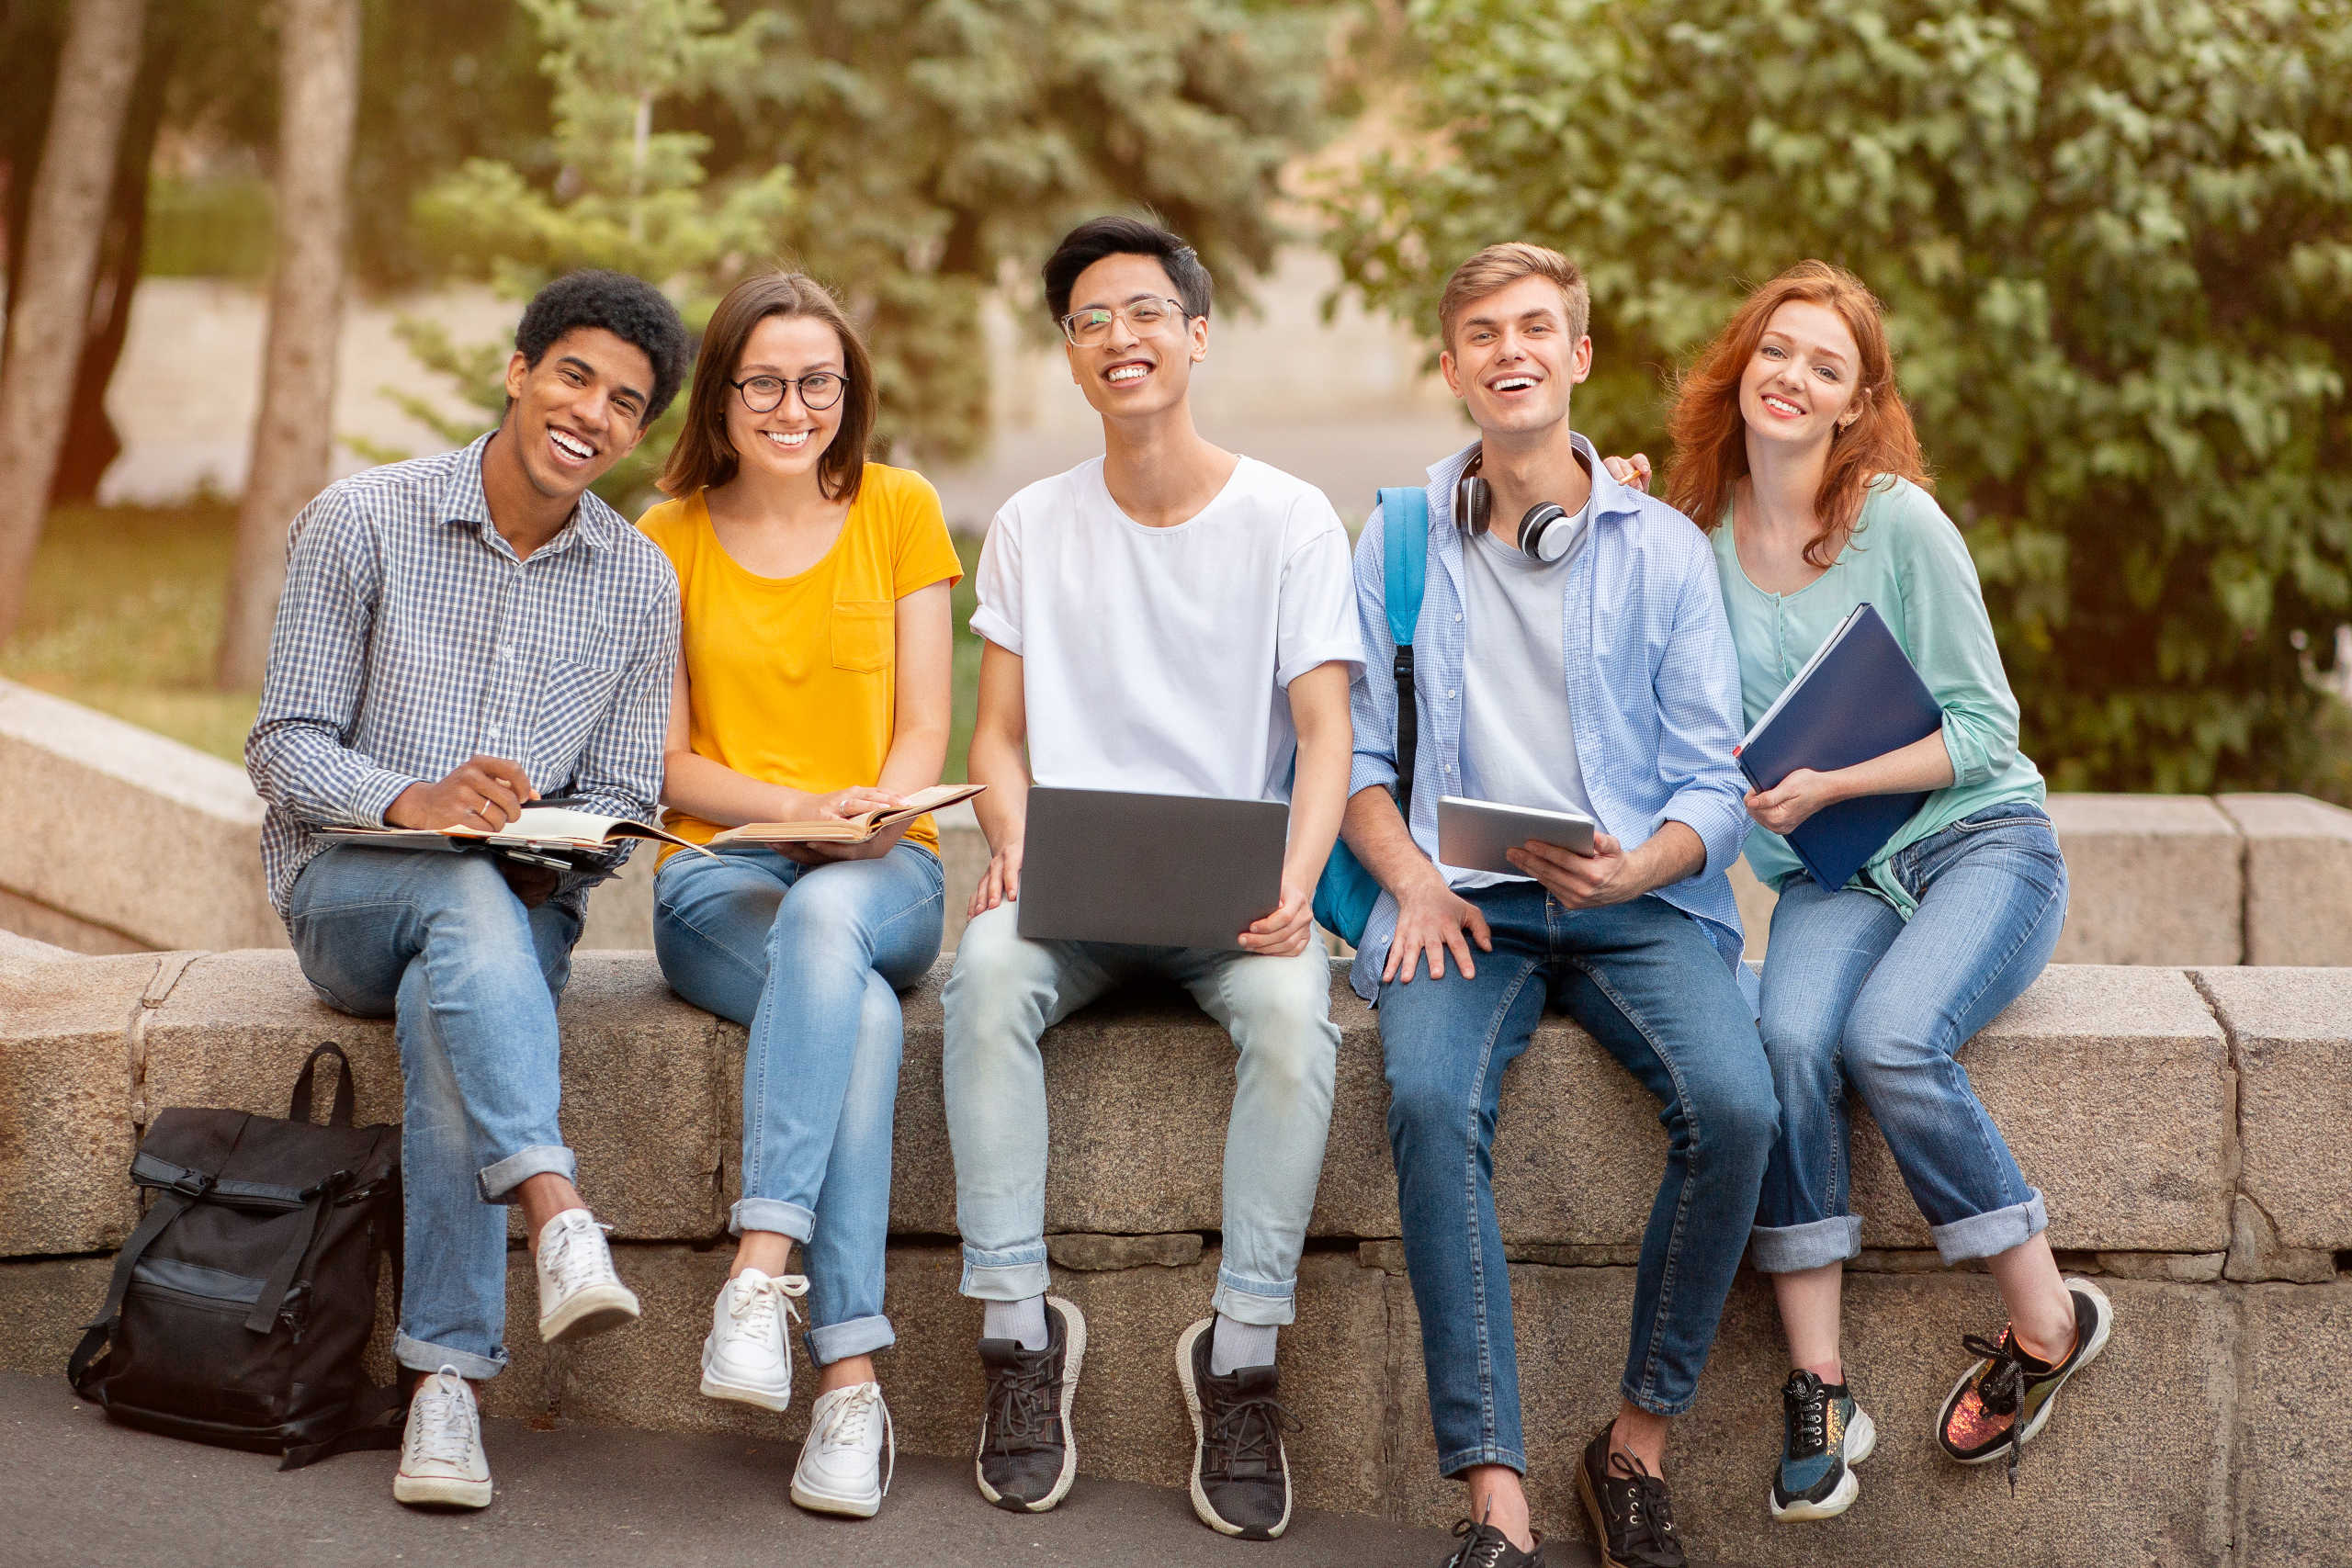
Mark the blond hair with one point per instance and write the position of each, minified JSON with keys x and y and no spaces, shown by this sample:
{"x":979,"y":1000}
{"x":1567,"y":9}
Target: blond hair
{"x":1496,"y":268}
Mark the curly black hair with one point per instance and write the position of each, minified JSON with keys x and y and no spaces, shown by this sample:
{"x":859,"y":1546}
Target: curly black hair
{"x":1100,"y":237}
{"x":630,"y":308}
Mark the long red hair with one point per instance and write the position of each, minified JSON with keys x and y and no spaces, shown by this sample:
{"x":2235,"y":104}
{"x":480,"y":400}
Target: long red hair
{"x":1711,"y":437}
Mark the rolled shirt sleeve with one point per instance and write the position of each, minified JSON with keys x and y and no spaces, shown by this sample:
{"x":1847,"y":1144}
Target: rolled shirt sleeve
{"x":997,"y":582}
{"x":1951,"y":641}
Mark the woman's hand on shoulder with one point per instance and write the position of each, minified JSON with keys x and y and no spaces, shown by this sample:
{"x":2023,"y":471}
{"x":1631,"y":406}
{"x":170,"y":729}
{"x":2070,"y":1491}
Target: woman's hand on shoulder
{"x":1633,"y":470}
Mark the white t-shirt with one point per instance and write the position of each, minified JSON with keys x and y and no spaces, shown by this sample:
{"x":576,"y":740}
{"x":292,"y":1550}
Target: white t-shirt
{"x":1155,"y":659}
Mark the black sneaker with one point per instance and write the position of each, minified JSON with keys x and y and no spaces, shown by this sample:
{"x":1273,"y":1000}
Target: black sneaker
{"x":1027,"y":1457}
{"x":1824,"y":1434}
{"x":1484,"y":1546}
{"x":2002,"y":1401}
{"x":1241,"y":1474}
{"x":1632,"y":1523}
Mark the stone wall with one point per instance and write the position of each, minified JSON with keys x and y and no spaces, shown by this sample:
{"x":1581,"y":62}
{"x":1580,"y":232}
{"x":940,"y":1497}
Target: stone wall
{"x":2190,"y":1128}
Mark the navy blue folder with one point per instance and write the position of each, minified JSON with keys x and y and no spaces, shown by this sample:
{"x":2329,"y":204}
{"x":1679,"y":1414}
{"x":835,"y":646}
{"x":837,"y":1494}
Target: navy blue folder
{"x":1859,"y":698}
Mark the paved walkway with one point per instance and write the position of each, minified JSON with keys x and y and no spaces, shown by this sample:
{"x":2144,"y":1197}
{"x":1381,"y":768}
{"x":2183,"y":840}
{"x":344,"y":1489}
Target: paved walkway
{"x":81,"y":1492}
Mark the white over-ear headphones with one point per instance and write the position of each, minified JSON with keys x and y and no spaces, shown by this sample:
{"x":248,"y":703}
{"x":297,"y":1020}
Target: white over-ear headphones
{"x":1547,"y":533}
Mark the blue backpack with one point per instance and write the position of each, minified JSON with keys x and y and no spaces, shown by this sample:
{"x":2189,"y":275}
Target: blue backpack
{"x":1344,"y":898}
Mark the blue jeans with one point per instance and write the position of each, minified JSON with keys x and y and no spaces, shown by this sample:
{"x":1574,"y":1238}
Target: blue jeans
{"x":471,"y":978}
{"x":1855,"y":996}
{"x":811,"y":958}
{"x":1007,"y":991}
{"x":1647,"y":983}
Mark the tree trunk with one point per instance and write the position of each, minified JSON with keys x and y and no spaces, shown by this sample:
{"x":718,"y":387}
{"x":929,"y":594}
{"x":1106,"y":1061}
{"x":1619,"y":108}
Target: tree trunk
{"x":91,"y":443}
{"x":294,"y":435}
{"x":49,"y":310}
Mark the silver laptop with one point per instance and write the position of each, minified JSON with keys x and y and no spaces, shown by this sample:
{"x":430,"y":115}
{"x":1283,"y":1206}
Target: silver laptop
{"x":1166,"y":870}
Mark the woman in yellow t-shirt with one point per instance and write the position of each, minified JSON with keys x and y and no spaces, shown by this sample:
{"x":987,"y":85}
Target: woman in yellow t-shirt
{"x":813,"y":681}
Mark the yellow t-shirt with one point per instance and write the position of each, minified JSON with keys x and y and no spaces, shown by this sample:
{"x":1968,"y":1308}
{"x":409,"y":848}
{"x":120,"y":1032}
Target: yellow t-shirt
{"x":793,"y":680}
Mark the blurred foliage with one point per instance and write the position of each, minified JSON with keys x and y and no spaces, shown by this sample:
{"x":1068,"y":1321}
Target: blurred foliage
{"x":2115,"y":238}
{"x":214,"y":228}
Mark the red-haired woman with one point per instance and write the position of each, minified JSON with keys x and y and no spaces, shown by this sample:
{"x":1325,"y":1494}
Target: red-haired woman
{"x":1794,"y":451}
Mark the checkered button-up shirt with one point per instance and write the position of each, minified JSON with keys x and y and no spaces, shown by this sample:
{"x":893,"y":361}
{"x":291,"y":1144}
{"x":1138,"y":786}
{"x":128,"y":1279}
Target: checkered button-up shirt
{"x":411,"y":637}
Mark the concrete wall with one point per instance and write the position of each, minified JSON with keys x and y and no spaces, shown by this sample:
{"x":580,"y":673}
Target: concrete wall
{"x":2190,"y":1129}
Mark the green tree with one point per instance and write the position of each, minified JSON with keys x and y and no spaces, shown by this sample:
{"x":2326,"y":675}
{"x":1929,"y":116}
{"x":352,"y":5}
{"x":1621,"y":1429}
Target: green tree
{"x":2115,"y":239}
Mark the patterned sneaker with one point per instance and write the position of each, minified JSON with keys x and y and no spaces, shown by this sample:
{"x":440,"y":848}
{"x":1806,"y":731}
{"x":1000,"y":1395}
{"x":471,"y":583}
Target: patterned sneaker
{"x":746,"y":1356}
{"x":1240,"y":1473}
{"x":2002,"y":1401}
{"x":1633,"y":1526}
{"x":1484,"y":1546}
{"x":1028,"y":1456}
{"x":441,"y":1457}
{"x":579,"y":1293}
{"x":1823,"y":1435}
{"x":845,"y":1465}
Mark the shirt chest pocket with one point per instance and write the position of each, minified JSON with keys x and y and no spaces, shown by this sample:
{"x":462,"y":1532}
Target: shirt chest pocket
{"x":575,"y":689}
{"x":863,"y":632}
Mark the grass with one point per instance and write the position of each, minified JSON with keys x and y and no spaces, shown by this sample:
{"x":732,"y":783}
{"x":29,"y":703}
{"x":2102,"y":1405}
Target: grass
{"x":123,"y":613}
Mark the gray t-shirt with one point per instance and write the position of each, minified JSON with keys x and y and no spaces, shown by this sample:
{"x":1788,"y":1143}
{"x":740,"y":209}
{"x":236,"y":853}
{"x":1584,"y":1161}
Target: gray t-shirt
{"x":1518,"y":746}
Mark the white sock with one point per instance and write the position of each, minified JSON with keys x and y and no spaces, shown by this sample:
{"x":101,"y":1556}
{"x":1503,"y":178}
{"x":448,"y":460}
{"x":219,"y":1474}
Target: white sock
{"x":1233,"y":1345}
{"x":1022,"y":1321}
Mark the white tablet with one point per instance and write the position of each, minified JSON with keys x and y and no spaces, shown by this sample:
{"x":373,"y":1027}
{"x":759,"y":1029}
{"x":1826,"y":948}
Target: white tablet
{"x":1472,"y":834}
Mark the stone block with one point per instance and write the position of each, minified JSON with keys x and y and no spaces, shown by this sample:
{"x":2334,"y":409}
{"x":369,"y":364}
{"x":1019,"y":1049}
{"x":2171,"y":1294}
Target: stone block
{"x":66,"y":1133}
{"x":963,"y":855}
{"x":2112,"y":1087}
{"x":182,"y":863}
{"x":2255,"y":1253}
{"x":620,"y":908}
{"x":17,"y":948}
{"x":641,"y":1106}
{"x":2298,"y":878}
{"x":1756,"y":903}
{"x":2153,"y":879}
{"x":2294,"y":1421}
{"x":25,"y":920}
{"x":2180,"y":1267}
{"x":45,"y":1303}
{"x":2292,"y":1032}
{"x":1099,"y":1254}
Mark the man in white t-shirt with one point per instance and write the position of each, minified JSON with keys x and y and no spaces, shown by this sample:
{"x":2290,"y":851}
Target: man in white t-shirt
{"x":1171,"y":619}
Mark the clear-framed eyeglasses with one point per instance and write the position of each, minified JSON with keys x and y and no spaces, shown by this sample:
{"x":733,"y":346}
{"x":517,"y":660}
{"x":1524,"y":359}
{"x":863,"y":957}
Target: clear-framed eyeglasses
{"x":819,"y":389}
{"x":1145,"y":316}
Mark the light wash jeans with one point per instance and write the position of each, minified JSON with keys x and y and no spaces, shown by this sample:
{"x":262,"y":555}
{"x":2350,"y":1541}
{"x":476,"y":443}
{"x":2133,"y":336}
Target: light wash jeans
{"x":471,"y":978}
{"x":809,"y":958}
{"x":1855,"y":994}
{"x":1645,"y":980}
{"x":1006,"y":992}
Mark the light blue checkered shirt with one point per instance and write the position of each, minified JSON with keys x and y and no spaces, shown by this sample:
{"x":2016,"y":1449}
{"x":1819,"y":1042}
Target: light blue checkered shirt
{"x":410,"y":638}
{"x":1653,"y":691}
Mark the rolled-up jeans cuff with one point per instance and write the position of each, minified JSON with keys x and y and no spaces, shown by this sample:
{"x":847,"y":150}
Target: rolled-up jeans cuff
{"x":1817,"y":1244}
{"x":1992,"y":1233}
{"x":497,"y":1181}
{"x":419,"y":1356}
{"x":1012,"y":1275}
{"x":838,"y":1341}
{"x":1263,"y":1302}
{"x":1486,"y":1453}
{"x":774,"y":1216}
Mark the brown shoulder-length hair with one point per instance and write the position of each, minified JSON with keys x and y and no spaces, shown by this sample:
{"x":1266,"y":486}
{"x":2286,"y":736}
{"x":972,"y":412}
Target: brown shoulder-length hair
{"x":704,"y":456}
{"x":1711,"y":437}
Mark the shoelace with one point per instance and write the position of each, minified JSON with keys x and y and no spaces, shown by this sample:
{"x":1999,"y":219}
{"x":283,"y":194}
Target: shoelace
{"x":1019,"y":1406}
{"x":756,"y":1307}
{"x":844,"y":1426}
{"x":444,"y":1431}
{"x":2001,"y":1388}
{"x":1650,"y":1521}
{"x":1482,"y":1546}
{"x":1249,"y":1429}
{"x":1804,"y":1400}
{"x":569,"y":1257}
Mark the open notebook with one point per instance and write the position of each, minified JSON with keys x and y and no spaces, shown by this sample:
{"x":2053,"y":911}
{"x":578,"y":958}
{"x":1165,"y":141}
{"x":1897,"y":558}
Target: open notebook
{"x":535,"y":829}
{"x":849,"y":830}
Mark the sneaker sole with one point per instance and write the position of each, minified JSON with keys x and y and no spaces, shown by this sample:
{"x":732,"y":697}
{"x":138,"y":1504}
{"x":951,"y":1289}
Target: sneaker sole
{"x":1208,"y":1515}
{"x":1861,"y":1442}
{"x":598,"y":1309}
{"x":444,"y":1491}
{"x":744,"y":1393}
{"x":1073,"y":1358}
{"x":2101,"y":1329}
{"x":1592,"y":1516}
{"x":817,"y":1502}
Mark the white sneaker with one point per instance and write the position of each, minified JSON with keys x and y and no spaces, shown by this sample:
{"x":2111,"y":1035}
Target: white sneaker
{"x":748,"y":1356}
{"x":845,"y":1465}
{"x":579,"y":1293}
{"x":441,"y":1457}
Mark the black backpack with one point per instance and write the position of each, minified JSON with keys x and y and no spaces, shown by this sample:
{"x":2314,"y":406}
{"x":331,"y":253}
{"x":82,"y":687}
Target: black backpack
{"x":243,"y":1304}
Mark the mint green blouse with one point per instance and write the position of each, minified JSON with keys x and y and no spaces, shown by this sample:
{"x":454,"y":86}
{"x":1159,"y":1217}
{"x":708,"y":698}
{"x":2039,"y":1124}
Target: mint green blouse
{"x":1908,"y":561}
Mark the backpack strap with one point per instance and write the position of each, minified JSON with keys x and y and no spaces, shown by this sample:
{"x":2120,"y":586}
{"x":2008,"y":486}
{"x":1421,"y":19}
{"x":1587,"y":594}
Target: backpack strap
{"x":169,"y":1206}
{"x":299,"y":1108}
{"x":282,"y":1273}
{"x":375,"y":1420}
{"x":1405,"y":550}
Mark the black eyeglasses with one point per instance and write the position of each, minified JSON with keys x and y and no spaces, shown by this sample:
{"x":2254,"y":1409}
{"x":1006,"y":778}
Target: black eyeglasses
{"x":819,"y":389}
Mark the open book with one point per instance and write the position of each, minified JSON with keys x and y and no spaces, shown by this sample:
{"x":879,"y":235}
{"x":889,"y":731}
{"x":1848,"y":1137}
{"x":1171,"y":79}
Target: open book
{"x":536,"y":829}
{"x":854,"y":829}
